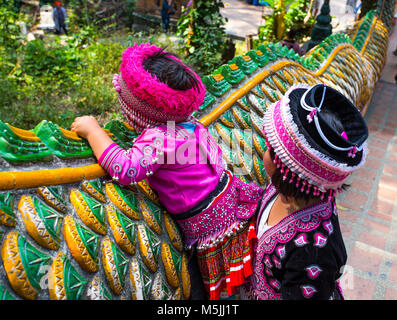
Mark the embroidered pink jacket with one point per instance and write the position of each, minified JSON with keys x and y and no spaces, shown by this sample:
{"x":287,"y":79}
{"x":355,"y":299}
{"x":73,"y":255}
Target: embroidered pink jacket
{"x":182,"y":163}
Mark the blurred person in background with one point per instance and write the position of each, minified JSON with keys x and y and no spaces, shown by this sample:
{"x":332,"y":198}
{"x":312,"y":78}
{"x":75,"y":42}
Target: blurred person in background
{"x":59,"y":16}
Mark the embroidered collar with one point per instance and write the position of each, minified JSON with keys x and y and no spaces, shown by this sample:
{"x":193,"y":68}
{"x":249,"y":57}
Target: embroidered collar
{"x":323,"y":208}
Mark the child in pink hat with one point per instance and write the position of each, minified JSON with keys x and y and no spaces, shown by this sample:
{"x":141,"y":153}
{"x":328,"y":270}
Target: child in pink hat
{"x":316,"y":140}
{"x":181,"y":162}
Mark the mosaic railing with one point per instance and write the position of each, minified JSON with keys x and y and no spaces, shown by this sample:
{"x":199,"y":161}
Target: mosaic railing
{"x":239,"y":92}
{"x":67,"y":232}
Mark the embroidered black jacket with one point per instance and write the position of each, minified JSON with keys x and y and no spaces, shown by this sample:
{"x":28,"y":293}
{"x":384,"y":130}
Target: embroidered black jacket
{"x":300,"y":257}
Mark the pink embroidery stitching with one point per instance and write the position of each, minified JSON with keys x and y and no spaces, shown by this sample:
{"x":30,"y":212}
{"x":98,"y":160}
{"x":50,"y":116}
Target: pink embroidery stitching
{"x":276,"y":263}
{"x":328,"y":226}
{"x":308,"y":291}
{"x":301,"y":240}
{"x":275,"y":284}
{"x":287,"y":228}
{"x":320,"y":240}
{"x":313,"y":271}
{"x":281,"y":251}
{"x":268,"y":263}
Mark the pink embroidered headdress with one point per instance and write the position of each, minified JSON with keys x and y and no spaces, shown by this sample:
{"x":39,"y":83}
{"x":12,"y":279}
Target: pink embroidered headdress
{"x":146,"y":101}
{"x":314,"y":155}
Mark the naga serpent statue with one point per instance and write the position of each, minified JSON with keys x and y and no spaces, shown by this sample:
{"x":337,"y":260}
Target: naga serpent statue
{"x":67,"y":232}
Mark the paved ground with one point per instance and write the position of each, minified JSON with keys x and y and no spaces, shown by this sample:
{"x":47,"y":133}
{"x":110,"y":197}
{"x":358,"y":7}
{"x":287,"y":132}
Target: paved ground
{"x":243,"y":19}
{"x":368,"y":211}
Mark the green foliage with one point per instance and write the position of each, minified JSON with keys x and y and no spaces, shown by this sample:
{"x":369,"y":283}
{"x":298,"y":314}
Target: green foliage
{"x":81,"y":13}
{"x":59,"y":82}
{"x":9,"y":38}
{"x":293,"y":19}
{"x":103,"y":57}
{"x":60,"y":78}
{"x":85,"y":35}
{"x":105,"y":15}
{"x":273,"y":3}
{"x":9,"y":30}
{"x":95,"y":95}
{"x":201,"y":28}
{"x":9,"y":43}
{"x":52,"y":64}
{"x":265,"y":33}
{"x":56,"y":78}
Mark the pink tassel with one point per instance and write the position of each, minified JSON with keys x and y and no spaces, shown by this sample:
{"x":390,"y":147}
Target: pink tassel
{"x":297,"y":181}
{"x":330,"y":195}
{"x":303,"y":185}
{"x":310,"y":116}
{"x":285,"y":175}
{"x":352,"y":152}
{"x":279,"y":163}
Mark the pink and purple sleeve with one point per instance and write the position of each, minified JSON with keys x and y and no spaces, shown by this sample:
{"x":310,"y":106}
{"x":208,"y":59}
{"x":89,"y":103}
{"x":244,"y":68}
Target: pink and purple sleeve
{"x":128,"y":167}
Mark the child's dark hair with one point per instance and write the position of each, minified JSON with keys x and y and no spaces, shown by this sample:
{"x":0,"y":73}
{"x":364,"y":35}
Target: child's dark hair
{"x":170,"y":71}
{"x":289,"y":189}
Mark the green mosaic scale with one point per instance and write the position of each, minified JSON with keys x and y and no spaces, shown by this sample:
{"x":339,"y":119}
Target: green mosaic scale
{"x":209,"y":99}
{"x":53,"y":196}
{"x":258,"y":57}
{"x":227,"y":119}
{"x":34,"y":261}
{"x":232,"y":73}
{"x":5,"y":295}
{"x":216,"y":88}
{"x":90,"y":240}
{"x":246,"y":64}
{"x":62,"y":146}
{"x":74,"y":283}
{"x":96,"y":208}
{"x":7,"y":215}
{"x":123,"y":136}
{"x":16,"y":150}
{"x":51,"y":218}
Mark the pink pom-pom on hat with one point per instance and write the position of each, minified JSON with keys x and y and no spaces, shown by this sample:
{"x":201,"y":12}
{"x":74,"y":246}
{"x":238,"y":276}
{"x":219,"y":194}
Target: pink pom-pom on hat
{"x":146,"y":101}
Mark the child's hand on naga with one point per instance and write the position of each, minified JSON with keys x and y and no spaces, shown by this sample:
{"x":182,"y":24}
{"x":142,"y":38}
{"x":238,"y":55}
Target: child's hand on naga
{"x":88,"y":128}
{"x":85,"y":125}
